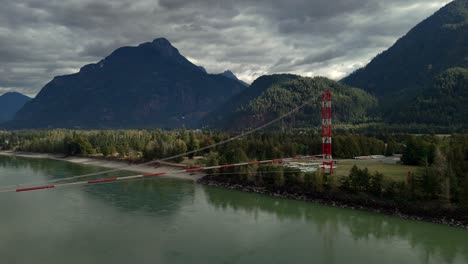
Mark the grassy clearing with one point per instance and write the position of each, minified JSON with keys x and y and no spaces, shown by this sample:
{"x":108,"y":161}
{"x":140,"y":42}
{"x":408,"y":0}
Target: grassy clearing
{"x":390,"y":171}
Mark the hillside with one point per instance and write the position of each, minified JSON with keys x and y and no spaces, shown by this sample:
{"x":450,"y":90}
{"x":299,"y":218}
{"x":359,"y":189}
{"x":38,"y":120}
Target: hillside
{"x":270,"y":96}
{"x":151,"y":85}
{"x":10,"y":103}
{"x":423,"y":71}
{"x":444,"y":102}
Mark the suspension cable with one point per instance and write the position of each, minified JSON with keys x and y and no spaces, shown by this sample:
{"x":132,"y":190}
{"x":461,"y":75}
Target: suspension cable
{"x":128,"y":167}
{"x":150,"y":175}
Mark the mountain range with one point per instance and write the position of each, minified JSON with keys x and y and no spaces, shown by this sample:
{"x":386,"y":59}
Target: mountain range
{"x":422,"y":79}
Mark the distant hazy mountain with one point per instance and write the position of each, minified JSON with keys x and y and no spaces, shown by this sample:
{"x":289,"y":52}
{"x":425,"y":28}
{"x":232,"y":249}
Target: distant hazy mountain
{"x":270,"y":96}
{"x":422,"y":78}
{"x":10,"y":103}
{"x":231,"y":75}
{"x":151,"y":85}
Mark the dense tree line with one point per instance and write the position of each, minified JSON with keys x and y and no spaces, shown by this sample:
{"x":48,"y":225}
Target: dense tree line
{"x":423,"y":194}
{"x":156,"y":144}
{"x":445,"y":162}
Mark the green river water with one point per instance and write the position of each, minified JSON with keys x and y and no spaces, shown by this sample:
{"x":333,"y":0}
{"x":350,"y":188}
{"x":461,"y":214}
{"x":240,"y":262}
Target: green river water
{"x":168,"y":220}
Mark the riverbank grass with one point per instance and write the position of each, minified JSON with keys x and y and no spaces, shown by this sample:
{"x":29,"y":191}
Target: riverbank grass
{"x":390,"y":171}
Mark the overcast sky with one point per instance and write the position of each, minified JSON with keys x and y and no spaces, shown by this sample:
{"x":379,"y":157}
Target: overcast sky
{"x":40,"y":39}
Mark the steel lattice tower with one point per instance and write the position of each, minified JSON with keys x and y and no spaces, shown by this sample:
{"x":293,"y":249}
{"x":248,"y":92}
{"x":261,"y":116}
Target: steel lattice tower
{"x":327,"y":131}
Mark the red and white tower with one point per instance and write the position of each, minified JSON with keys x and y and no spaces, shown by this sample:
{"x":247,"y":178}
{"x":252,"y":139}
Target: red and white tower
{"x":327,"y":161}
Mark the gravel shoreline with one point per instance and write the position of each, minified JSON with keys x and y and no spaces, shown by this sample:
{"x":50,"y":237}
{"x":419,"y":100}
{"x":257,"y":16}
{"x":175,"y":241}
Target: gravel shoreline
{"x":109,"y":164}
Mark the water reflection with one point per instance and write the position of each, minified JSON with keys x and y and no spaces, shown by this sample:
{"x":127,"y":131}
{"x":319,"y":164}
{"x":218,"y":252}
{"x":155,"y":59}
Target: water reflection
{"x":173,"y":221}
{"x":162,"y":195}
{"x":53,"y":169}
{"x":431,"y":240}
{"x":157,"y":196}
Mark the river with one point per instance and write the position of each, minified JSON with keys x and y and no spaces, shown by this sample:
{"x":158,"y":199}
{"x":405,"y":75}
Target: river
{"x":166,"y":220}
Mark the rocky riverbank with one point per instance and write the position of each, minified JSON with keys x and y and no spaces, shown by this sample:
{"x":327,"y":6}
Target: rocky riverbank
{"x":420,"y":212}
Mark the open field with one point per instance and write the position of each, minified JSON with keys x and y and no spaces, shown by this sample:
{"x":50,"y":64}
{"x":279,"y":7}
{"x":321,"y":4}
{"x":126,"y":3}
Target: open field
{"x":391,"y":171}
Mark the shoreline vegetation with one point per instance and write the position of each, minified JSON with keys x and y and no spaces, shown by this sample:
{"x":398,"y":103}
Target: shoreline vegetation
{"x":428,"y":212}
{"x":431,"y":183}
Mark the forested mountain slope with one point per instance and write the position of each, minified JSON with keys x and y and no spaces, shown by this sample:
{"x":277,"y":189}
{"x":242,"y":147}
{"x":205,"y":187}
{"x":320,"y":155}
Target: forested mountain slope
{"x":422,"y":77}
{"x":273,"y":95}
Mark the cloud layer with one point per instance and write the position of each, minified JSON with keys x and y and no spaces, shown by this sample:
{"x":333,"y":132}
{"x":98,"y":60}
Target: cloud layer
{"x":40,"y":39}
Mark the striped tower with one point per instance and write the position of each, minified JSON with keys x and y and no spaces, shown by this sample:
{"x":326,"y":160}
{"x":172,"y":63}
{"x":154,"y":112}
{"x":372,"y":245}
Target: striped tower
{"x":327,"y":131}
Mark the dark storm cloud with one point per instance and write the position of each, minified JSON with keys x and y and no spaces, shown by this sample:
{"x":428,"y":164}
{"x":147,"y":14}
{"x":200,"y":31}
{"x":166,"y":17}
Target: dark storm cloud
{"x":43,"y":38}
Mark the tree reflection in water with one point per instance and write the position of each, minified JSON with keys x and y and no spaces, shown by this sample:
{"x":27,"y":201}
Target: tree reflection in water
{"x":331,"y":222}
